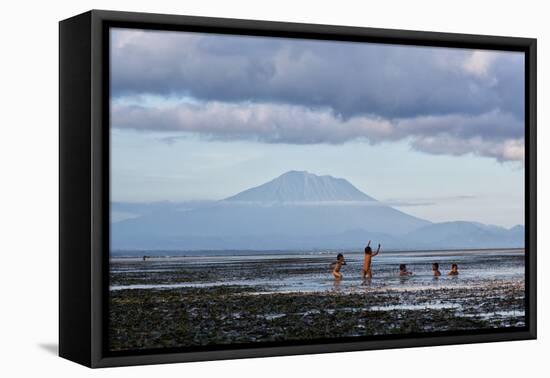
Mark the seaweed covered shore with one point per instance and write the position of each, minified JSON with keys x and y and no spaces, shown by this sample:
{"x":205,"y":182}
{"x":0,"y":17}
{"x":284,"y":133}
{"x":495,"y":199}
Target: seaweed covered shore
{"x":201,"y":316}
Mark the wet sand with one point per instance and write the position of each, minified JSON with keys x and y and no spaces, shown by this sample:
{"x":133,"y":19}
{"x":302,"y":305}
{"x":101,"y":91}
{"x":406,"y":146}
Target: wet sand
{"x":198,"y":301}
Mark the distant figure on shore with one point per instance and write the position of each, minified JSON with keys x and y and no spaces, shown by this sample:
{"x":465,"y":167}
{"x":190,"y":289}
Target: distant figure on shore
{"x":435,"y":270}
{"x":454,"y":270}
{"x":145,"y":258}
{"x":367,"y":272}
{"x":337,"y":265}
{"x":403,"y":270}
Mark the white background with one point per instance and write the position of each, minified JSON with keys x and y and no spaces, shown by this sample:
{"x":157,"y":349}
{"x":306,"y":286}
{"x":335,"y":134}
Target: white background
{"x":29,"y":186}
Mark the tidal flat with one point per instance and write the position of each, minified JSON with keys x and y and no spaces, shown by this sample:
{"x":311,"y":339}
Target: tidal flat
{"x":197,"y":301}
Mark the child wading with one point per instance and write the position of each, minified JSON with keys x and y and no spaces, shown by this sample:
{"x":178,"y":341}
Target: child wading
{"x":435,"y":270}
{"x":336,"y":266}
{"x":367,"y":272}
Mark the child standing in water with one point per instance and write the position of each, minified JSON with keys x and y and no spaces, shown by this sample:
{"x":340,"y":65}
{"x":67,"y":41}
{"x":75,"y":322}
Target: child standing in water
{"x":454,"y":270}
{"x":337,"y":265}
{"x":435,"y":269}
{"x":367,"y":272}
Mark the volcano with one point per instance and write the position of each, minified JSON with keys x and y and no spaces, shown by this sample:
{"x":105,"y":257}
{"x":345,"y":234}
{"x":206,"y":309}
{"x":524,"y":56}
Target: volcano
{"x":297,"y":210}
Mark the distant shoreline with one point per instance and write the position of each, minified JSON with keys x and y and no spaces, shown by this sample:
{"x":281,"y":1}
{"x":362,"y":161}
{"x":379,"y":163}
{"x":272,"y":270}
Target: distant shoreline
{"x":249,"y":252}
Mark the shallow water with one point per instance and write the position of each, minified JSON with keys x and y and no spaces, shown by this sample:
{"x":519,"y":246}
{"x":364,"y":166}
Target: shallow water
{"x":308,"y":272}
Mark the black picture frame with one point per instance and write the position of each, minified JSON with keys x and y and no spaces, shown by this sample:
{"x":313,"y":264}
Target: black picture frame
{"x":84,"y":182}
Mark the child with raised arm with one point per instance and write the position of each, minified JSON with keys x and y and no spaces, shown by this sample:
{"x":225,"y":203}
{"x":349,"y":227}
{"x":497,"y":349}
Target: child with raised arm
{"x":454,"y":270}
{"x":367,"y":272}
{"x":403,"y":271}
{"x":336,"y":266}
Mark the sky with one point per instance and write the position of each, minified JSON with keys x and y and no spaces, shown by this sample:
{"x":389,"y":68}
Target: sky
{"x":436,"y":132}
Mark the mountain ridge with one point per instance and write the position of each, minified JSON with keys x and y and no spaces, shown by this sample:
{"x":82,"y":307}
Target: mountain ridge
{"x":301,"y":211}
{"x":302,"y":186}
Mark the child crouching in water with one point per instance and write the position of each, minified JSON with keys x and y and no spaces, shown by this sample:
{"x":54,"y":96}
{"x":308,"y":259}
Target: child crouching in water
{"x":403,"y":270}
{"x":337,"y":265}
{"x":454,"y":270}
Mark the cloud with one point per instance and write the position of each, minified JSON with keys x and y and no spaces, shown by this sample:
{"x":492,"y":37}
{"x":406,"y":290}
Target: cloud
{"x":389,"y":81}
{"x":270,"y":123}
{"x":506,"y":150}
{"x":479,"y":62}
{"x":494,"y":134}
{"x":326,"y":203}
{"x":275,"y":90}
{"x":431,"y":201}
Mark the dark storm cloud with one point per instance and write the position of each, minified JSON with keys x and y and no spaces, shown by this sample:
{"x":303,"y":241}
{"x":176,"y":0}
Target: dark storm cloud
{"x":350,"y":78}
{"x":442,"y":101}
